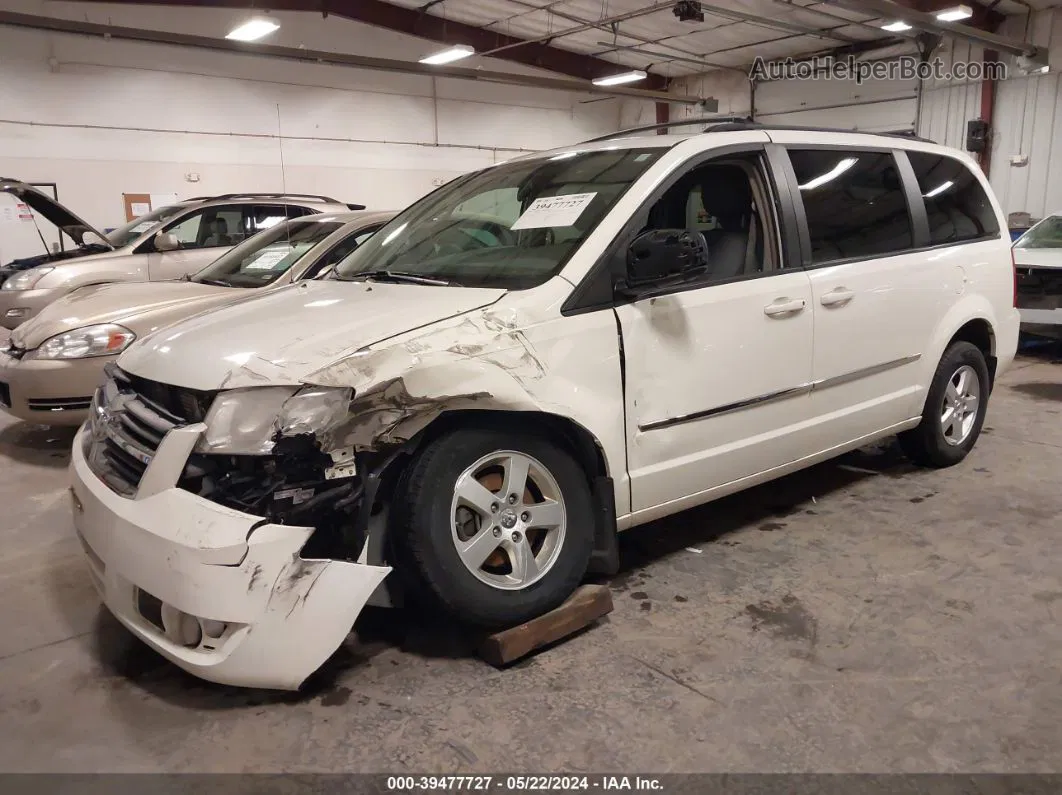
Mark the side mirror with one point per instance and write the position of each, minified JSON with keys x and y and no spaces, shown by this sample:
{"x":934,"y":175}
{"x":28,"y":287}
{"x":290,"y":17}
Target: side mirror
{"x":665,"y":255}
{"x":164,"y":241}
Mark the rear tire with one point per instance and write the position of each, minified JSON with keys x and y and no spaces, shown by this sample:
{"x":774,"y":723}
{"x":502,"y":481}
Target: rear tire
{"x":954,"y":411}
{"x":493,"y":527}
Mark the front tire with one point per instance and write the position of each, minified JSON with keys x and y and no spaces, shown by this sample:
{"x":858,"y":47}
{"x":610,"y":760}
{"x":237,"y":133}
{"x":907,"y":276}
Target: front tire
{"x":494,"y":527}
{"x":954,"y":411}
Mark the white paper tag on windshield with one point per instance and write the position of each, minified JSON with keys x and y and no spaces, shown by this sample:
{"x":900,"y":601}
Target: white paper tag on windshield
{"x":554,"y":211}
{"x":143,"y":226}
{"x":266,"y":260}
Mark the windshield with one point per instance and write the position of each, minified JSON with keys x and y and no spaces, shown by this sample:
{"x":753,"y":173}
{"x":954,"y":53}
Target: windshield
{"x":512,"y":226}
{"x":1046,"y":234}
{"x":124,"y":235}
{"x":265,"y":257}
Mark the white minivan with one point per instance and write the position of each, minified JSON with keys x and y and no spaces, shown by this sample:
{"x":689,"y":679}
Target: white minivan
{"x":526,"y":361}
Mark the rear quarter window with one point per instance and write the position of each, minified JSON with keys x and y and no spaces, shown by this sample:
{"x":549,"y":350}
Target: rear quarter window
{"x":854,"y":202}
{"x":957,"y":206}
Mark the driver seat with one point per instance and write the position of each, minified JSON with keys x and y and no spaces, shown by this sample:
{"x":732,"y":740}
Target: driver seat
{"x":736,"y":245}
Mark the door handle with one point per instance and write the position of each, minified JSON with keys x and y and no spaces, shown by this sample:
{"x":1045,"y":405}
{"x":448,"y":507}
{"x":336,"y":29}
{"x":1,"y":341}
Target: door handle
{"x":837,"y":297}
{"x":783,"y":307}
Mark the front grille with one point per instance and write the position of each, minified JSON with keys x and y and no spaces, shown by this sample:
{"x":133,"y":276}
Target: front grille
{"x":5,"y":395}
{"x":125,"y":429}
{"x":60,"y":404}
{"x":1039,"y":288}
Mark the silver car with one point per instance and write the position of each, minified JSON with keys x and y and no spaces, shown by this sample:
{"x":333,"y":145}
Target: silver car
{"x":54,"y":362}
{"x":169,"y":243}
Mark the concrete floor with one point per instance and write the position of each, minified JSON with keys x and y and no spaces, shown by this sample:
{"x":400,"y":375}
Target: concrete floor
{"x":860,"y":616}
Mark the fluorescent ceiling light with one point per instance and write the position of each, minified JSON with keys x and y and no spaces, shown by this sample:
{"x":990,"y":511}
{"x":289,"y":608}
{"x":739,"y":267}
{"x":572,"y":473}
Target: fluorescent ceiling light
{"x":938,"y":190}
{"x":622,"y":77}
{"x":896,"y":27}
{"x":449,"y":55}
{"x":841,"y":167}
{"x":955,"y":14}
{"x":253,"y":29}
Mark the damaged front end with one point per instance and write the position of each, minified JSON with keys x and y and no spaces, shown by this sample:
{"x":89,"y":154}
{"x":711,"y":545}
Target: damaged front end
{"x":263,"y":452}
{"x":195,"y":503}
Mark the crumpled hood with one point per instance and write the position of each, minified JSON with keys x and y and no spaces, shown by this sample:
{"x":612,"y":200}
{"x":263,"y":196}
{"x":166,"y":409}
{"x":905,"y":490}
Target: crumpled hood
{"x":290,"y":333}
{"x":141,"y":307}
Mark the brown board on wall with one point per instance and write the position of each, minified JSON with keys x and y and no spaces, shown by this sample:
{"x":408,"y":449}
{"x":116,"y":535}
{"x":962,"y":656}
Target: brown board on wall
{"x":135,"y":204}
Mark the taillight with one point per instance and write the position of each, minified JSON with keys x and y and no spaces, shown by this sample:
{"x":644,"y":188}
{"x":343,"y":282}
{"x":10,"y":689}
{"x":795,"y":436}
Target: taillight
{"x":1014,"y":269}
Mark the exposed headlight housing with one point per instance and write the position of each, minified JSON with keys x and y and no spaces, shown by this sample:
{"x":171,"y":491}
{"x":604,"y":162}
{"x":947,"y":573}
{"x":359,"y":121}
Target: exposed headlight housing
{"x":104,"y":339}
{"x":246,"y":421}
{"x":27,"y":280}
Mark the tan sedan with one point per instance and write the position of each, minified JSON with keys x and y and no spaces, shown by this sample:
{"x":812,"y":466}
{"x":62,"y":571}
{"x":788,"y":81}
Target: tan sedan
{"x":53,"y":363}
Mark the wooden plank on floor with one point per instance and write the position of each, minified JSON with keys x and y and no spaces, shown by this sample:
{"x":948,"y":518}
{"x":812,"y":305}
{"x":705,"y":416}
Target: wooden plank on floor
{"x":582,"y":608}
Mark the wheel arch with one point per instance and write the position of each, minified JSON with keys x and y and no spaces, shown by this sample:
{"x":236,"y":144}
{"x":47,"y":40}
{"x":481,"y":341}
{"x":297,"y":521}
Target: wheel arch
{"x":980,"y":333}
{"x":972,"y":319}
{"x":574,"y":437}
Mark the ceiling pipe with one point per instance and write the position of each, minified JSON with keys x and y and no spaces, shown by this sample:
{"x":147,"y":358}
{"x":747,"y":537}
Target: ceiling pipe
{"x":55,"y":25}
{"x":616,"y":18}
{"x":684,"y":55}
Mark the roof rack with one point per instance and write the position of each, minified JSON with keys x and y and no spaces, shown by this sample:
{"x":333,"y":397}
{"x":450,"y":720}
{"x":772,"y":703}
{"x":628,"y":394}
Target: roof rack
{"x":669,"y":124}
{"x":224,"y":196}
{"x":739,"y":126}
{"x":740,"y":123}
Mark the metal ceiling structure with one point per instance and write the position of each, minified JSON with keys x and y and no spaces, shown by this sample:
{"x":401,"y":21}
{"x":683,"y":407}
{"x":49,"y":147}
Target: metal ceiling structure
{"x":584,"y":39}
{"x":116,"y":32}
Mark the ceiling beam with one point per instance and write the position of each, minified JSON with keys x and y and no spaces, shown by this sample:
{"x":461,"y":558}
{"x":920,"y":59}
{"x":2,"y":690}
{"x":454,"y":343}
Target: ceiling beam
{"x":415,"y":22}
{"x":76,"y":27}
{"x":927,"y":22}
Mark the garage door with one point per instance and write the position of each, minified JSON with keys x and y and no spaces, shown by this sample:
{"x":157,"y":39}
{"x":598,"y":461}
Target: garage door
{"x":873,"y":106}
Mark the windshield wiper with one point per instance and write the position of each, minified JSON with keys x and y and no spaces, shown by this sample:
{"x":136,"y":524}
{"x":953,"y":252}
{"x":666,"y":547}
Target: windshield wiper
{"x":396,"y":276}
{"x":215,"y":282}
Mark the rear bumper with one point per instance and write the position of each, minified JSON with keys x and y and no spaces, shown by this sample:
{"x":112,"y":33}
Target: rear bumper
{"x":1031,"y":318}
{"x":49,"y":391}
{"x":18,"y":306}
{"x":222,"y":594}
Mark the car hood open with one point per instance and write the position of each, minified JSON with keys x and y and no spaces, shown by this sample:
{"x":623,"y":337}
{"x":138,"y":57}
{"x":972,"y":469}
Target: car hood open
{"x":292,"y":332}
{"x":56,"y":213}
{"x":142,"y":307}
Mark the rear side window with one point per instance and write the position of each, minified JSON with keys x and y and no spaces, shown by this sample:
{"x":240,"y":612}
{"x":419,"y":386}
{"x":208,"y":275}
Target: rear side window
{"x":957,"y":205}
{"x":854,"y":202}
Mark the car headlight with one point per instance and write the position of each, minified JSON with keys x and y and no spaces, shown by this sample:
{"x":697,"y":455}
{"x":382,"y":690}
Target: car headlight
{"x":247,"y":421}
{"x":26,"y":280}
{"x":105,"y":339}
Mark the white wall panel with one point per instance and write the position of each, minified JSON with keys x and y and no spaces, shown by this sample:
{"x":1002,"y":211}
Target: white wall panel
{"x":1028,"y":121}
{"x":946,"y":105}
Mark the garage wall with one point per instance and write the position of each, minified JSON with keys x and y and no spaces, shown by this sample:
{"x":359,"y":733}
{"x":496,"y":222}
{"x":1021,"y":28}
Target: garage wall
{"x":1027,"y":118}
{"x":105,"y":117}
{"x":874,"y":106}
{"x":1028,"y":121}
{"x":946,"y":106}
